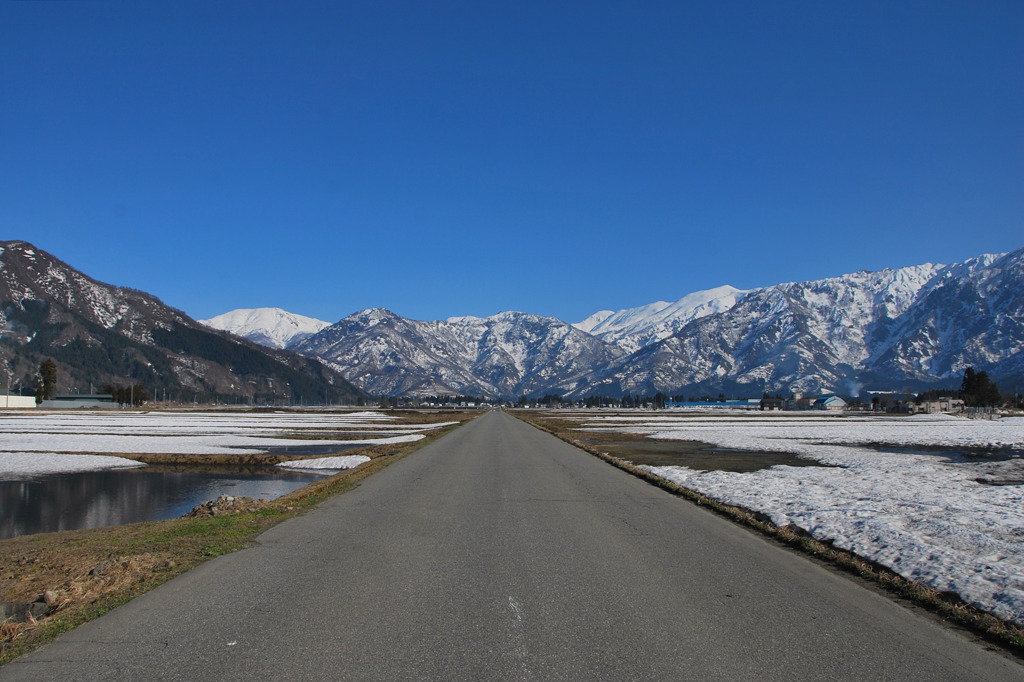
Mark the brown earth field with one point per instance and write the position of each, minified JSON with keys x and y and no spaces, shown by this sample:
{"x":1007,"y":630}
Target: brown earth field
{"x":690,"y":453}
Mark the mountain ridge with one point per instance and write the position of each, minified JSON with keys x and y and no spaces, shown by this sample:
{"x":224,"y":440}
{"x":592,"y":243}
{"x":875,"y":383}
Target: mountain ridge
{"x":506,"y":354}
{"x":839,"y":334}
{"x":634,"y":328}
{"x":900,"y":329}
{"x":98,"y":334}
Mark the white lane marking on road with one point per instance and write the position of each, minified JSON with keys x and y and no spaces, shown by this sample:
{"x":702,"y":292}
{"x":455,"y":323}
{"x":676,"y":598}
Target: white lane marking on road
{"x":517,"y":610}
{"x":518,"y":642}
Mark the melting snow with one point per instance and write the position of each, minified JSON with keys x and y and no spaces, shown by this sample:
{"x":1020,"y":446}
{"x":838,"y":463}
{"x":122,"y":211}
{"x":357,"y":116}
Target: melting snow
{"x":328,"y":463}
{"x":16,"y":465}
{"x":34,"y":443}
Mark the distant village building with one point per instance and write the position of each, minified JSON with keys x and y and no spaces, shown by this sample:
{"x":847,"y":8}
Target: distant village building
{"x":92,"y":401}
{"x":940,"y":406}
{"x":802,"y":403}
{"x":830,"y":402}
{"x":799,"y":402}
{"x":14,"y":402}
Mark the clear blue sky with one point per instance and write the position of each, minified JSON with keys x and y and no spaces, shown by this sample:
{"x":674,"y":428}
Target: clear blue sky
{"x":447,"y":158}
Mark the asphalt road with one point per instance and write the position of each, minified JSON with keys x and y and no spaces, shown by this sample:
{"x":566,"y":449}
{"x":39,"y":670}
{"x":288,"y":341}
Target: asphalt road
{"x":499,"y":552}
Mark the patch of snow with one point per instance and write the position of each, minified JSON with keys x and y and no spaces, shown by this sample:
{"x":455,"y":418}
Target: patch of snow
{"x":326,"y":463}
{"x":17,"y":465}
{"x":198,"y":444}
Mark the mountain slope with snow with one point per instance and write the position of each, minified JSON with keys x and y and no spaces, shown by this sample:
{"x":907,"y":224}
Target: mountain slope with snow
{"x":635,"y":328}
{"x":896,"y":329}
{"x":893,"y":329}
{"x":98,"y":333}
{"x":971,"y":314}
{"x":271,"y":327}
{"x":597,"y":318}
{"x":507,"y":354}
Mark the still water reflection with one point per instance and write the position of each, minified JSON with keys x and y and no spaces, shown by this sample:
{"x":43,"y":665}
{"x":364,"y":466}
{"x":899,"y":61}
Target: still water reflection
{"x":92,"y":499}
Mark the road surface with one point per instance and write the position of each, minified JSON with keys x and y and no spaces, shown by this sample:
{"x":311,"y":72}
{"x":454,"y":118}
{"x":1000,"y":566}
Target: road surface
{"x":502,"y":553}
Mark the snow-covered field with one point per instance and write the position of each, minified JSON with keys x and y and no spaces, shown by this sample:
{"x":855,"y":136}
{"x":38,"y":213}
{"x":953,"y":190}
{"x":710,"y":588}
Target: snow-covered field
{"x":926,"y":515}
{"x":53,"y":442}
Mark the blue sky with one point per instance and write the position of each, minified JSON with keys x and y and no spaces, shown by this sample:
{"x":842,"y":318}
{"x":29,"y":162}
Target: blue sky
{"x":446,"y":158}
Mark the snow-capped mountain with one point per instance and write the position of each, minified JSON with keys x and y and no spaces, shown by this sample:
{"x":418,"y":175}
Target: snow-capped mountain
{"x":597,"y":318}
{"x":635,"y":328}
{"x":970,"y":314}
{"x":904,"y":328}
{"x":507,"y":354}
{"x":271,"y":327}
{"x":897,"y":329}
{"x":894,"y":329}
{"x":97,"y":333}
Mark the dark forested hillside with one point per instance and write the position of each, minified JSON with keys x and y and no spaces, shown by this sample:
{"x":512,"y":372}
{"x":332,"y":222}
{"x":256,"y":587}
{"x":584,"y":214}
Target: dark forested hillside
{"x":98,"y":334}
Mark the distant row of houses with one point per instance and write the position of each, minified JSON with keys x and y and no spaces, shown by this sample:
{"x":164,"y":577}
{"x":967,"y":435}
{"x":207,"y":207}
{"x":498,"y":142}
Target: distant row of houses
{"x":948,"y":405}
{"x":831,"y":403}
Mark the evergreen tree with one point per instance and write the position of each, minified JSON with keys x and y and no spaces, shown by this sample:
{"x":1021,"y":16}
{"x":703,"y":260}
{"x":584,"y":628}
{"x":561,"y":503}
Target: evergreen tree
{"x":138,"y":394}
{"x":46,"y":380}
{"x":977,"y":390}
